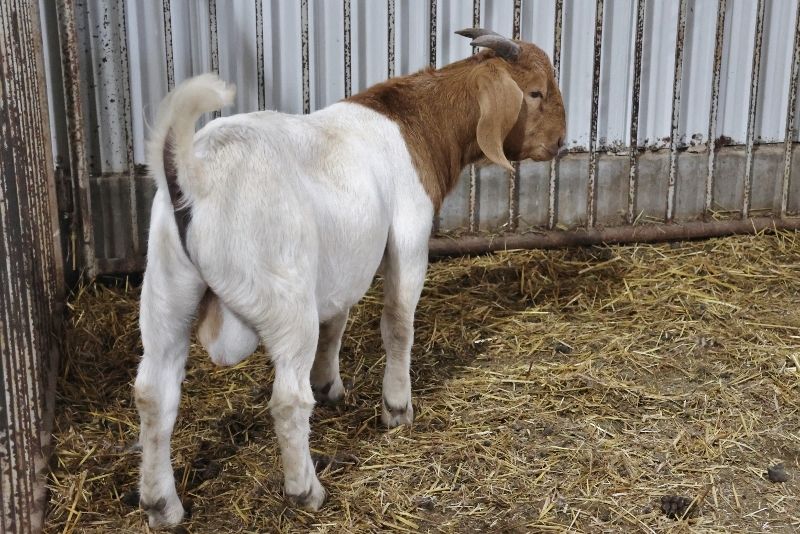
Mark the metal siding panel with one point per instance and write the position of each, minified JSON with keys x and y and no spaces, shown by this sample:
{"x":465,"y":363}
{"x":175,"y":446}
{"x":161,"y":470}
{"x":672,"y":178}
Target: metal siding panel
{"x":412,"y":36}
{"x":776,"y":67}
{"x":236,"y":32}
{"x":658,"y":64}
{"x":147,"y":68}
{"x":537,"y":23}
{"x":534,"y":193}
{"x":328,"y":53}
{"x":737,"y":63}
{"x":455,"y":15}
{"x":698,"y":61}
{"x":454,"y":214}
{"x":576,"y":72}
{"x":619,"y":28}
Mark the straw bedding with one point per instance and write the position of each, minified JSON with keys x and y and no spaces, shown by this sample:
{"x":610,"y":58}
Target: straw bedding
{"x":608,"y":389}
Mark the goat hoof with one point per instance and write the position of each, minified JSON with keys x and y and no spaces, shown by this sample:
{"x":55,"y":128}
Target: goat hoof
{"x":312,"y":499}
{"x":330,"y":394}
{"x":162,"y":513}
{"x":393,"y":416}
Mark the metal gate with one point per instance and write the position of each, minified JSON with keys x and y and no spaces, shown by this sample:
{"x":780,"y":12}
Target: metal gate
{"x":681,"y":113}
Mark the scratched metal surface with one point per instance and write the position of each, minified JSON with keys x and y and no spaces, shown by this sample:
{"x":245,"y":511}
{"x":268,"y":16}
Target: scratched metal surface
{"x":31,"y":272}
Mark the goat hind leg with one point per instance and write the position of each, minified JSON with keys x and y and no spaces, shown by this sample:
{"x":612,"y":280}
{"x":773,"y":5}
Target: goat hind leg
{"x":291,"y":339}
{"x":325,"y":378}
{"x":169,"y":298}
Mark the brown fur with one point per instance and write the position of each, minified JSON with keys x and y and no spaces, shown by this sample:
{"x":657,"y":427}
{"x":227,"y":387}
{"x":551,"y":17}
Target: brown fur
{"x":474,"y":108}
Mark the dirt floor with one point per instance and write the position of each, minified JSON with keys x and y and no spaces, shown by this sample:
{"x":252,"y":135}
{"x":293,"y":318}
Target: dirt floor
{"x":583,"y":390}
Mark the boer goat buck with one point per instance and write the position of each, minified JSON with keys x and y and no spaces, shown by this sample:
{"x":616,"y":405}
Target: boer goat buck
{"x":274,"y":225}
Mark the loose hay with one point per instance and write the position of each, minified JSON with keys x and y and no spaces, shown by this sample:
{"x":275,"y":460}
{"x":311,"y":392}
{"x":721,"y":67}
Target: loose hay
{"x":554,"y":390}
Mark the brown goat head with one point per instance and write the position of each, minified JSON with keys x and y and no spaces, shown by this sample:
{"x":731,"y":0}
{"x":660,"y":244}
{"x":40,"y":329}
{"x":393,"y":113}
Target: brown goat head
{"x":521,"y":110}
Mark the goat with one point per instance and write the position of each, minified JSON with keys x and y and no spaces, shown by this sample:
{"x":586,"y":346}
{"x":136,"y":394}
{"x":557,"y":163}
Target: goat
{"x":274,"y":225}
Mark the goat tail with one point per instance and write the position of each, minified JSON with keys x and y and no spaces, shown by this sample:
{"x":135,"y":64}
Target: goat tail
{"x":169,"y":153}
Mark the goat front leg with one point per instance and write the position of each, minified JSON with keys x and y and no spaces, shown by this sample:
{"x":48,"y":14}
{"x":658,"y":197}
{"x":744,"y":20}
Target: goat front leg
{"x":404,"y":275}
{"x":170,"y":294}
{"x":325,"y":379}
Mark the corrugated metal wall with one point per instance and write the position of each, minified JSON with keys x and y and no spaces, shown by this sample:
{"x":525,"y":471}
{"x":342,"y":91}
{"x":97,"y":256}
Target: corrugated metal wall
{"x":31,"y":279}
{"x":689,"y":80}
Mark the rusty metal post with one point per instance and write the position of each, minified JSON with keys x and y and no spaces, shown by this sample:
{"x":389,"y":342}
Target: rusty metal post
{"x":552,"y":205}
{"x":712,"y":120}
{"x":166,"y":6}
{"x":304,"y":57}
{"x":390,"y":10}
{"x":432,"y":12}
{"x":31,"y":280}
{"x":474,"y":202}
{"x":790,"y":113}
{"x":751,"y":110}
{"x":262,"y":96}
{"x":677,"y":86}
{"x":214,"y":42}
{"x":514,"y":179}
{"x":348,"y":51}
{"x":641,"y":9}
{"x":591,"y":197}
{"x":82,"y":233}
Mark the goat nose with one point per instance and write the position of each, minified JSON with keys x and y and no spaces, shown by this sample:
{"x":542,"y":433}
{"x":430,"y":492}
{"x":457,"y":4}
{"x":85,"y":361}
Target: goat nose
{"x":560,"y":142}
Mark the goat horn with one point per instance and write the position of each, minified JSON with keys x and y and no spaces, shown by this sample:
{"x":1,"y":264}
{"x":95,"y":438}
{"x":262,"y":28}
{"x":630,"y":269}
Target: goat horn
{"x":474,"y":33}
{"x":505,"y":48}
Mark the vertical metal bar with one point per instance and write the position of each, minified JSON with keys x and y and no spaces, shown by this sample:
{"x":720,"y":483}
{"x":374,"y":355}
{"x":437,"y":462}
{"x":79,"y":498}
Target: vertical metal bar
{"x":348,"y":79}
{"x":167,"y":8}
{"x":677,"y":84}
{"x":390,"y":39}
{"x":126,"y":96}
{"x":591,"y":201}
{"x":513,"y":182}
{"x":304,"y":59}
{"x":212,"y":28}
{"x":262,"y":96}
{"x":432,"y":34}
{"x":790,"y":111}
{"x":76,"y":134}
{"x":432,"y":62}
{"x":712,"y":120}
{"x":641,"y":9}
{"x":304,"y":55}
{"x":751,"y":115}
{"x":552,"y":206}
{"x":474,"y":182}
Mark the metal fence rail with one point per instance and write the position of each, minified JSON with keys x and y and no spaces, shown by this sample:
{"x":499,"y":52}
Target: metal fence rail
{"x":632,"y":159}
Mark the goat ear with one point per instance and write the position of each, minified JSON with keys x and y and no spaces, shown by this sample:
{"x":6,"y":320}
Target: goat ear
{"x":500,"y":101}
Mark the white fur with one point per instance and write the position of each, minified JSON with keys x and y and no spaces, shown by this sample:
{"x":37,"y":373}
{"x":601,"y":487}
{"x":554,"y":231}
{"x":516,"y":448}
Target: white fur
{"x":291,"y":217}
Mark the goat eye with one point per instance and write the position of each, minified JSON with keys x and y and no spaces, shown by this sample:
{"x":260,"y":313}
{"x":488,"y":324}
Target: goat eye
{"x":535,"y":94}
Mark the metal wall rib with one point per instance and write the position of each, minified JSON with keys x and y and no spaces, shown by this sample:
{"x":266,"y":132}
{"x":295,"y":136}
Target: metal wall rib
{"x":790,"y":114}
{"x":751,"y":110}
{"x":591,"y":195}
{"x":474,"y":200}
{"x":552,"y":203}
{"x":677,"y":85}
{"x":712,"y":121}
{"x":633,"y":145}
